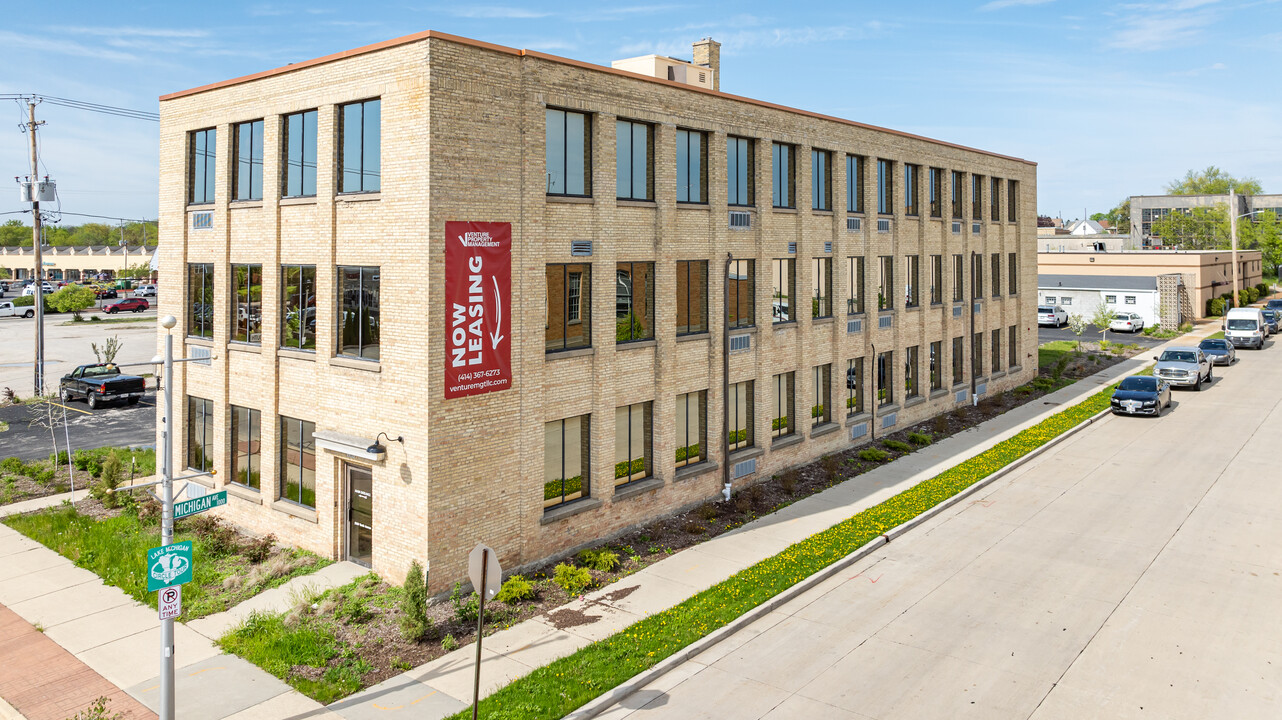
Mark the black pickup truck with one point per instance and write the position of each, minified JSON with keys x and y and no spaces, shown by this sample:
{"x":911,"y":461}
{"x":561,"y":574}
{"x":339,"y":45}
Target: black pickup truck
{"x":100,"y":384}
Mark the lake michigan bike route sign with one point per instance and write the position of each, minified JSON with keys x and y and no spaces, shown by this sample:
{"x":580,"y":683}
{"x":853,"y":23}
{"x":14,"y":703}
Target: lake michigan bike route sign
{"x":169,"y":565}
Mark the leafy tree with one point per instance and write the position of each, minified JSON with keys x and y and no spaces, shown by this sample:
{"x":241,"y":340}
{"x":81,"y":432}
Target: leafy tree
{"x":1198,"y":229}
{"x":1077,"y":325}
{"x":1213,"y":181}
{"x":1045,"y":221}
{"x":14,"y":234}
{"x":1119,"y":218}
{"x":1103,"y":317}
{"x":107,"y":353}
{"x":1265,"y":235}
{"x":141,"y":270}
{"x":72,"y":299}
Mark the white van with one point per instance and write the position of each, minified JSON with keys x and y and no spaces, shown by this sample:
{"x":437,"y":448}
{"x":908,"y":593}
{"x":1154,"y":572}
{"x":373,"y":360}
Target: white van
{"x":1244,"y":327}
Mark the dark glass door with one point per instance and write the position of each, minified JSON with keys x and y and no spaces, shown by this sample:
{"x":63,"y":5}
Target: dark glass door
{"x":360,"y":515}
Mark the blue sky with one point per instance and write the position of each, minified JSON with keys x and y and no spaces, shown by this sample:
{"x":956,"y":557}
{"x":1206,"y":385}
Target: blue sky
{"x":1110,"y":99}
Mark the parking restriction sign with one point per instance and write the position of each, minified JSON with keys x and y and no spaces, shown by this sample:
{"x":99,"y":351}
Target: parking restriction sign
{"x":170,"y":602}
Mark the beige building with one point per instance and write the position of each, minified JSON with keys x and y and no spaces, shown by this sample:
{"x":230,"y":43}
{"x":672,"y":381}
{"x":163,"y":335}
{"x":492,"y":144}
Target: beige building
{"x":1193,"y":276}
{"x":307,"y":206}
{"x":71,"y":263}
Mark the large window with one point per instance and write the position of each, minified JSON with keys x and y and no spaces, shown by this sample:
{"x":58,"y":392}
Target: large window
{"x":959,"y":278}
{"x":1012,"y":267}
{"x":247,"y":301}
{"x":248,"y":179}
{"x":692,"y":427}
{"x":912,"y":278}
{"x":996,"y":272}
{"x":957,"y":195}
{"x":200,"y":293}
{"x":358,"y":312}
{"x":633,"y":302}
{"x":912,"y":386}
{"x":633,"y":458}
{"x":783,"y":175}
{"x":246,"y":433}
{"x":855,"y":298}
{"x":783,"y":279}
{"x":959,"y":352}
{"x":854,"y":386}
{"x":782,"y":417}
{"x":692,"y":297}
{"x":911,"y":176}
{"x":565,"y":460}
{"x":885,"y":282}
{"x":202,"y":166}
{"x":741,"y":309}
{"x":360,"y":145}
{"x":936,"y":279}
{"x":885,"y":378}
{"x":634,"y":160}
{"x":569,"y":324}
{"x":1012,"y":195}
{"x":569,"y":153}
{"x":885,"y":187}
{"x":298,"y":307}
{"x":977,"y":197}
{"x":821,"y":382}
{"x":936,"y":192}
{"x":300,"y":154}
{"x":820,"y":180}
{"x":976,"y":276}
{"x":740,"y":171}
{"x":740,"y":433}
{"x":995,"y":199}
{"x":854,"y":183}
{"x":692,"y":166}
{"x":298,"y":461}
{"x":1012,"y":346}
{"x":821,"y":303}
{"x":977,"y":355}
{"x":936,"y":366}
{"x":996,"y":364}
{"x":200,"y":434}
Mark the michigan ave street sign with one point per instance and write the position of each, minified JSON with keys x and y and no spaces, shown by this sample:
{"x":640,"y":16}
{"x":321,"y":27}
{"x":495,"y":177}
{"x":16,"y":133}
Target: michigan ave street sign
{"x":200,"y":504}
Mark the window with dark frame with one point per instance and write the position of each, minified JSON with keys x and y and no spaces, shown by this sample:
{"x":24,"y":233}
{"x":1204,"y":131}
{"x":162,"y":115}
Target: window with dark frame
{"x":200,"y":434}
{"x":912,"y":387}
{"x":202,"y":166}
{"x":957,"y":195}
{"x":855,"y":183}
{"x":569,"y":308}
{"x":995,"y":199}
{"x":977,"y":354}
{"x":634,"y":160}
{"x":783,"y":175}
{"x":200,"y":293}
{"x":692,"y":427}
{"x":358,"y":312}
{"x":958,"y":363}
{"x":855,"y":299}
{"x":300,"y":154}
{"x":996,"y":270}
{"x":741,"y":432}
{"x":1012,"y":195}
{"x":566,"y":455}
{"x":885,"y":282}
{"x":568,"y":153}
{"x":248,"y":175}
{"x":692,"y":297}
{"x":854,"y":386}
{"x":821,"y":303}
{"x":977,"y":197}
{"x":1012,"y":346}
{"x":996,"y":348}
{"x":246,"y":461}
{"x":783,"y":280}
{"x":911,"y":176}
{"x":977,"y":276}
{"x":247,"y":303}
{"x":912,"y":280}
{"x":297,"y":461}
{"x":936,"y":279}
{"x":1012,"y":282}
{"x":360,"y":147}
{"x":936,"y":192}
{"x":633,"y":302}
{"x":885,"y":187}
{"x":959,"y":269}
{"x":741,"y":307}
{"x":936,"y":369}
{"x":885,"y":378}
{"x":298,"y":307}
{"x":633,"y":442}
{"x":820,"y":180}
{"x":692,"y":167}
{"x":821,"y":384}
{"x":782,"y":410}
{"x":740,"y":172}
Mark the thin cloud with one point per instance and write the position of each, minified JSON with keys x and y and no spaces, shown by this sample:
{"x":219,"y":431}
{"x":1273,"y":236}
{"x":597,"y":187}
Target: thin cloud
{"x":482,"y":12}
{"x":63,"y":47}
{"x":1158,"y":32}
{"x":746,"y":41}
{"x":132,"y":31}
{"x":1001,"y":4}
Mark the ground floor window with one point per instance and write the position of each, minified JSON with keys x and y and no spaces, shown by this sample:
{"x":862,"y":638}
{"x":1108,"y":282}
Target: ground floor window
{"x":200,"y":434}
{"x":740,"y":433}
{"x":936,"y":372}
{"x":885,"y":378}
{"x":1012,"y":346}
{"x":819,"y":411}
{"x":958,"y":372}
{"x":246,"y":433}
{"x":782,"y":421}
{"x":977,"y":355}
{"x":854,"y":386}
{"x":911,"y":386}
{"x":632,"y":442}
{"x":997,"y":350}
{"x":565,"y":460}
{"x":298,"y":461}
{"x":692,"y":430}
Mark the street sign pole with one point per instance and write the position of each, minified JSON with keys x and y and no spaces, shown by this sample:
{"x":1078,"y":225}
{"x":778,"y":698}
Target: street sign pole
{"x":487,"y":576}
{"x":480,"y":620}
{"x":167,"y":527}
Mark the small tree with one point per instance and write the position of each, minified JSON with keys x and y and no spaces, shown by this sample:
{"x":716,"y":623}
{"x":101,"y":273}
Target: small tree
{"x":1103,"y":317}
{"x":72,"y":299}
{"x":1077,"y":324}
{"x":108,"y":351}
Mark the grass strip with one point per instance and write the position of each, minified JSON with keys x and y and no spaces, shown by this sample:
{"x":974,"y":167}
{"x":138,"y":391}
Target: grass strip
{"x":566,"y":684}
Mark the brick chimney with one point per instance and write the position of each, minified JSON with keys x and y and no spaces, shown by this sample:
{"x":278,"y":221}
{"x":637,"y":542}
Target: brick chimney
{"x":707,"y":52}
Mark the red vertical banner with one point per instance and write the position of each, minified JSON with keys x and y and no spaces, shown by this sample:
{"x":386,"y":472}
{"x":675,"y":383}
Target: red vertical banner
{"x":478,"y":308}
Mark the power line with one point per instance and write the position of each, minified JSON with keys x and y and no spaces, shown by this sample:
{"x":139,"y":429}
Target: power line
{"x":89,"y":106}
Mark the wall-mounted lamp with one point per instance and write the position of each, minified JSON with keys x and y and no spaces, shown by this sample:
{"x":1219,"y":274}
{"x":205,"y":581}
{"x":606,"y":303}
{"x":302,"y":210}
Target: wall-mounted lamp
{"x":377,"y":448}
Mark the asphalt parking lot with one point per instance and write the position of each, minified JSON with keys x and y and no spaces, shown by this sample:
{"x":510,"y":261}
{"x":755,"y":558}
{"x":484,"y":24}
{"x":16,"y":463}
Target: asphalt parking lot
{"x":1092,"y":334}
{"x":111,"y":425}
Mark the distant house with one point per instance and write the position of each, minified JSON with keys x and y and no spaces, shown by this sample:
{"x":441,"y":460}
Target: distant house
{"x":1085,"y":227}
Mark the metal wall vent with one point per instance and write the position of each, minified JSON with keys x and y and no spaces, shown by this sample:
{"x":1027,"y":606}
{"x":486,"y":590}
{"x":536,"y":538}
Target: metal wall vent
{"x":957,"y":227}
{"x":202,"y":354}
{"x":828,"y":246}
{"x":885,"y":321}
{"x":202,"y":221}
{"x":740,"y":220}
{"x":889,"y":420}
{"x":858,"y":431}
{"x":792,"y":248}
{"x":957,"y":311}
{"x":581,"y":248}
{"x":975,"y":228}
{"x":854,"y":224}
{"x":960,"y":396}
{"x":981,"y":388}
{"x":743,"y":469}
{"x":740,"y":343}
{"x":883,"y":225}
{"x":979,"y":307}
{"x":854,"y":326}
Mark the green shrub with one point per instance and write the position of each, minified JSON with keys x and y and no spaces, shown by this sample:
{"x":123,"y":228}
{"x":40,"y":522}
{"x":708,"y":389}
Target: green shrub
{"x":601,"y":559}
{"x":1243,"y":297}
{"x":1060,"y":366}
{"x":1262,"y":289}
{"x":1186,"y":328}
{"x":109,"y":478}
{"x":573,"y":580}
{"x":1215,"y":307}
{"x":516,"y":589}
{"x":260,"y":549}
{"x":1044,"y":384}
{"x":921,"y":439}
{"x":449,"y":644}
{"x":415,"y":624}
{"x":897,"y":445}
{"x":465,"y":610}
{"x":353,"y":611}
{"x":873,"y":455}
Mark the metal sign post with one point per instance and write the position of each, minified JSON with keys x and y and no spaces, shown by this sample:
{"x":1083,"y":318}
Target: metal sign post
{"x":486,"y":576}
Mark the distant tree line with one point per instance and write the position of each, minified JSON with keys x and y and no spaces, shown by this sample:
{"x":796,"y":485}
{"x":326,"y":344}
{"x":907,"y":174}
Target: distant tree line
{"x":13,"y":233}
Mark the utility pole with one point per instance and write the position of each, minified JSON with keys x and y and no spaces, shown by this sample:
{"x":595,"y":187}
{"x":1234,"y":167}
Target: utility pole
{"x":1233,"y":237}
{"x":36,"y":243}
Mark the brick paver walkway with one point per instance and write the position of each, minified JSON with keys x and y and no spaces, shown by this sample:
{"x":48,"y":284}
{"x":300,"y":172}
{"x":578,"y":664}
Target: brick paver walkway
{"x":45,"y":682}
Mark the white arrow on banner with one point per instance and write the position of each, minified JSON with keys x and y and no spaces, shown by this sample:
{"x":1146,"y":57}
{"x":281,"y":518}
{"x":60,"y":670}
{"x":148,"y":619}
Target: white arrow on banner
{"x":498,"y":302}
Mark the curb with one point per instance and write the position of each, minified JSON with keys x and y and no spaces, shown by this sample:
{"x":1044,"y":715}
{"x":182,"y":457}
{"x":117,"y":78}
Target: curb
{"x":7,"y":712}
{"x":604,"y":702}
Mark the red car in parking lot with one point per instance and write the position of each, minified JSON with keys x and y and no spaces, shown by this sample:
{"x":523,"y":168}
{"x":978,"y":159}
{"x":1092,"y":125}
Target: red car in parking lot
{"x":135,"y":304}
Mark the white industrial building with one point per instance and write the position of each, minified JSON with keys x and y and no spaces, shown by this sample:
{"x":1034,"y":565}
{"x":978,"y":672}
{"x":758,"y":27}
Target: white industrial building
{"x":1082,"y":294}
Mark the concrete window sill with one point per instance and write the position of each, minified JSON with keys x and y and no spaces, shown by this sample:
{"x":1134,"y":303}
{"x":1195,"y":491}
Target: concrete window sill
{"x":887,"y":409}
{"x":914,"y":401}
{"x":622,"y":202}
{"x":571,"y":199}
{"x":356,"y":364}
{"x":245,"y":347}
{"x":693,"y":206}
{"x":786,"y":211}
{"x":938,"y":393}
{"x":693,"y":337}
{"x":562,"y":512}
{"x":821,"y":212}
{"x":358,"y":197}
{"x":294,"y":354}
{"x":198,"y":341}
{"x":856,"y":419}
{"x":637,"y":487}
{"x":247,"y":494}
{"x":825,"y":320}
{"x":578,"y":352}
{"x":698,"y":469}
{"x":780,"y":443}
{"x":635,"y":344}
{"x":298,"y":200}
{"x":745,"y":454}
{"x":244,"y":204}
{"x":824,"y":429}
{"x":298,"y":511}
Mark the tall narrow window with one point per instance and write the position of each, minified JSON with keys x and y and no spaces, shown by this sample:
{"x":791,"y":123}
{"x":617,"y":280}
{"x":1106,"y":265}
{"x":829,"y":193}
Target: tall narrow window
{"x":976,"y":276}
{"x":821,"y":382}
{"x":885,"y":282}
{"x":300,"y":154}
{"x":568,"y":153}
{"x":958,"y":367}
{"x":633,"y":302}
{"x":1012,"y":281}
{"x":569,"y":323}
{"x":997,"y":350}
{"x":885,"y":187}
{"x":632,"y":442}
{"x":977,"y":355}
{"x":995,"y":199}
{"x":912,"y":388}
{"x":200,"y":434}
{"x":202,"y":166}
{"x":936,"y":363}
{"x":297,"y":461}
{"x":692,"y":297}
{"x":977,"y":197}
{"x":692,"y":427}
{"x":740,"y":172}
{"x":854,"y":183}
{"x":249,"y":160}
{"x":784,"y":279}
{"x":821,"y":303}
{"x":912,"y":279}
{"x":957,"y":195}
{"x":246,"y":433}
{"x":885,"y":378}
{"x":298,"y":307}
{"x":936,"y":192}
{"x":782,"y":417}
{"x":1012,"y":195}
{"x":740,"y":434}
{"x":959,"y":278}
{"x":783,"y":175}
{"x":634,"y":160}
{"x":1012,"y":346}
{"x":996,"y":273}
{"x":855,"y":299}
{"x":358,"y":312}
{"x":692,"y":166}
{"x":741,"y":308}
{"x":911,"y":173}
{"x":854,"y":386}
{"x":820,"y":180}
{"x":200,"y":293}
{"x":936,"y":279}
{"x":360,"y":147}
{"x":247,"y":303}
{"x":565,"y":460}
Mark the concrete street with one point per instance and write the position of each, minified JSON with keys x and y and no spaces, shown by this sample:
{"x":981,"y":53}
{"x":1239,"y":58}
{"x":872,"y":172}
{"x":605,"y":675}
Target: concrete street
{"x":1130,"y":572}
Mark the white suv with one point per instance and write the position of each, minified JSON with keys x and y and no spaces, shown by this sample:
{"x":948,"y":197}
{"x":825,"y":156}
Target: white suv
{"x":145,"y":291}
{"x":1052,"y":315}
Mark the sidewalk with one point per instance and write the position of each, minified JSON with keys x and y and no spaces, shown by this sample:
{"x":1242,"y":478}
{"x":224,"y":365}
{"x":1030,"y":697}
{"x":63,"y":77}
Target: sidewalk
{"x":113,"y":635}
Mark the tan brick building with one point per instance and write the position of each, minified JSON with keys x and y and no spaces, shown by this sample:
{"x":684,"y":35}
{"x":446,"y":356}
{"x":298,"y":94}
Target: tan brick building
{"x":306,"y":206}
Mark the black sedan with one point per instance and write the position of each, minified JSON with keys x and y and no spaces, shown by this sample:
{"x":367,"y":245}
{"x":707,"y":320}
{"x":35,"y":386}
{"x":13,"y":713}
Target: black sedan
{"x":1221,"y":352}
{"x":1141,"y":395}
{"x":1271,"y":317}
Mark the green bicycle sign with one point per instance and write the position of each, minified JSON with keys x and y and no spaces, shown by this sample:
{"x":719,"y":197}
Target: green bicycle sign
{"x":168,"y":565}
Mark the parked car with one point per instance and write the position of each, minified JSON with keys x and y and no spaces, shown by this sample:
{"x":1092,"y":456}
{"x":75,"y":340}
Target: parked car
{"x":8,"y":310}
{"x":1220,"y":351}
{"x":1127,"y":322}
{"x":1245,"y":327}
{"x":105,"y":292}
{"x":1052,"y":315}
{"x":1186,"y":366}
{"x":30,"y":289}
{"x":101,"y":383}
{"x":1275,"y":305}
{"x":146,"y":291}
{"x":134,"y":304}
{"x":1271,"y":319}
{"x":1141,"y":395}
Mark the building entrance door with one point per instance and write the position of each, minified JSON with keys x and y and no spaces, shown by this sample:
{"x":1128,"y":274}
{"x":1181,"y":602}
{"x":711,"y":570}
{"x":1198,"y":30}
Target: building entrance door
{"x":360,"y":515}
